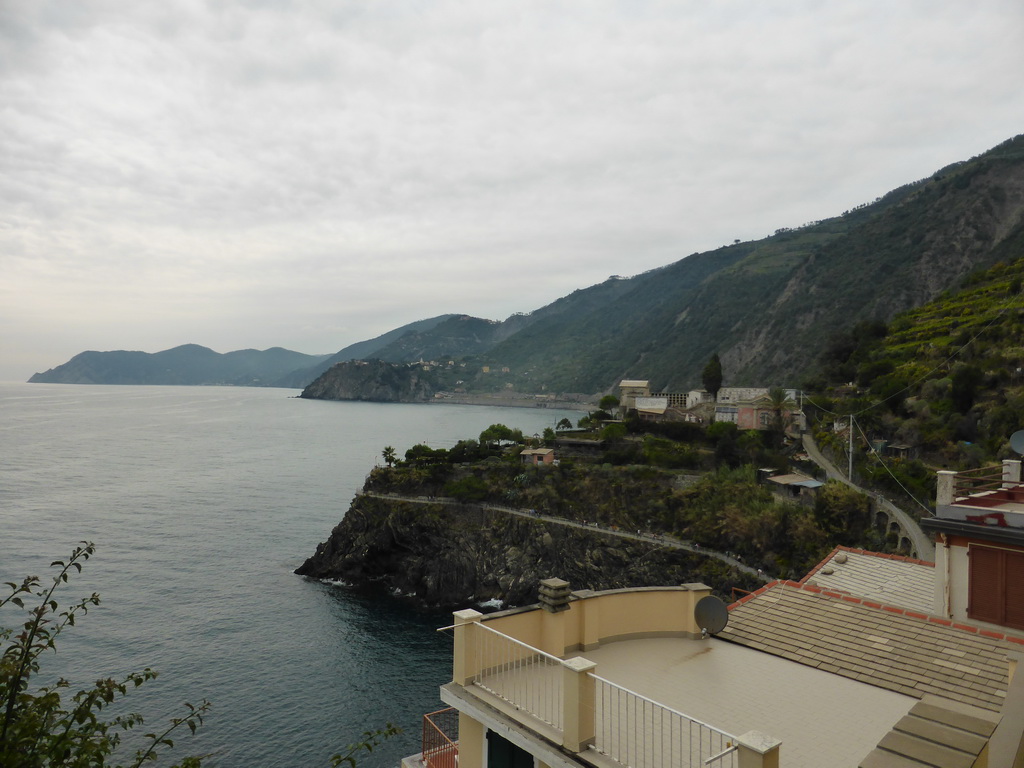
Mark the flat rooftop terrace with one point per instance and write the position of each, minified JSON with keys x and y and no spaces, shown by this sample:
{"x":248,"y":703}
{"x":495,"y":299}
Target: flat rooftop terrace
{"x":822,"y":719}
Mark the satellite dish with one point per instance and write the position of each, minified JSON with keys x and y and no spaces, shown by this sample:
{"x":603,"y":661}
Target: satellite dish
{"x":711,"y":615}
{"x":1017,"y":441}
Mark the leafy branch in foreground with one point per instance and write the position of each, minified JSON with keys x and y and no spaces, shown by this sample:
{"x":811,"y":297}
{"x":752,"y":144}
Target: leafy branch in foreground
{"x":48,"y":727}
{"x":371,"y":740}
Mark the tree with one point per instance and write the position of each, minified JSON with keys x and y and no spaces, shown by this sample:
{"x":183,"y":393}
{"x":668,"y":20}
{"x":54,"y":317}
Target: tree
{"x":966,"y":380}
{"x":49,"y":727}
{"x":389,"y":455}
{"x":563,"y":424}
{"x":498,"y":433}
{"x":613,"y":432}
{"x":781,"y":405}
{"x":608,"y":402}
{"x":712,"y":376}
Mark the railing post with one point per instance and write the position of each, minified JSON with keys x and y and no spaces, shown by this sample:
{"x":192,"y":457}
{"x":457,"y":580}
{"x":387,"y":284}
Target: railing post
{"x":578,"y":703}
{"x":944,"y":484}
{"x":1011,"y":473}
{"x":757,"y":750}
{"x":466,"y":665}
{"x":693,"y":594}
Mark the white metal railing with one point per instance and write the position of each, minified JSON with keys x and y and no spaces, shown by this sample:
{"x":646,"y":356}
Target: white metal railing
{"x":522,"y":675}
{"x":638,"y":732}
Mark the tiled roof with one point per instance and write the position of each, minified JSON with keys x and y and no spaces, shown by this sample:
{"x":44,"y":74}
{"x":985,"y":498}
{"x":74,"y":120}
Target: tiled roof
{"x":885,"y":646}
{"x":889,"y":579}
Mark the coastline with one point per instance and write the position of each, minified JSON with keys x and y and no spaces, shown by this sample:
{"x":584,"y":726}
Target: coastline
{"x":516,"y":400}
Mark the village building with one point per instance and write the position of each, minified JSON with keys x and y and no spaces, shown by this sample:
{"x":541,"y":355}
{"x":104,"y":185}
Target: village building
{"x":979,"y":546}
{"x":630,"y":390}
{"x":537,"y":456}
{"x":746,"y":407}
{"x":791,"y":486}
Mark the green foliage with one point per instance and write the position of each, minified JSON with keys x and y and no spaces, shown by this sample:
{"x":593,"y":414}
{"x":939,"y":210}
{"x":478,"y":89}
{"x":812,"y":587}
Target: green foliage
{"x":370,"y":741}
{"x":50,"y":726}
{"x":389,"y":456}
{"x":468,"y":488}
{"x":563,"y":424}
{"x":608,"y":402}
{"x":613,"y":432}
{"x":499,"y":433}
{"x":966,"y":380}
{"x":661,"y":452}
{"x":942,"y":375}
{"x":728,"y":510}
{"x":711,"y":376}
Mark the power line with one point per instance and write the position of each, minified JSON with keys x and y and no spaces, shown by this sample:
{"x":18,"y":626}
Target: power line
{"x":886,"y":467}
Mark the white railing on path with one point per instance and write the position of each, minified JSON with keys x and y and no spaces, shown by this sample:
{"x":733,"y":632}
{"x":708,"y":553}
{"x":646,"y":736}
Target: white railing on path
{"x":525,"y":677}
{"x":638,"y":732}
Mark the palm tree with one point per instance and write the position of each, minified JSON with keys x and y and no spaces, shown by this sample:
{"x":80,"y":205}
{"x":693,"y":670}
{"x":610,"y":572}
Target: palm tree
{"x":389,"y":455}
{"x":781,"y":405}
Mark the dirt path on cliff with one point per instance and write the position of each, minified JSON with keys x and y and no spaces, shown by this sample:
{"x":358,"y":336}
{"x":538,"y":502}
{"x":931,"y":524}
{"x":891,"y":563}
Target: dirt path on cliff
{"x":654,"y":539}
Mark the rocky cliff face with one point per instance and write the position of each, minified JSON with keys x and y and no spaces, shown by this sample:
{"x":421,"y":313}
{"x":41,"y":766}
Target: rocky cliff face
{"x":451,"y":555}
{"x":374,"y":381}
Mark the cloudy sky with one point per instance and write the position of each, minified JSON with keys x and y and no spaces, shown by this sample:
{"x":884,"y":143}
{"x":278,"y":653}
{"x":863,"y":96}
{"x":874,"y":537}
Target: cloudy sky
{"x":308,"y":174}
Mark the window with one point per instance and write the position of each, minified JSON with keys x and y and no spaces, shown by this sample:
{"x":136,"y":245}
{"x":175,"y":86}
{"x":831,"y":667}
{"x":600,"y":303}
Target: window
{"x":996,"y":586}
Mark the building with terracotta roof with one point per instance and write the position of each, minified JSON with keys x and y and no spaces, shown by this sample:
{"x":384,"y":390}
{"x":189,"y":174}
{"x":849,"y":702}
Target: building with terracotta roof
{"x":979,"y":546}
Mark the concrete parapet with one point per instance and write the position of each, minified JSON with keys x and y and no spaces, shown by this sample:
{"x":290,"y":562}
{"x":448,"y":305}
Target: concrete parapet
{"x":579,"y":701}
{"x":758,"y":750}
{"x":465,"y":665}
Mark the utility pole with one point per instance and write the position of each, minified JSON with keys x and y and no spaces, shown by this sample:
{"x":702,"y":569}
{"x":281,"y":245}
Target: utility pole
{"x":849,"y":474}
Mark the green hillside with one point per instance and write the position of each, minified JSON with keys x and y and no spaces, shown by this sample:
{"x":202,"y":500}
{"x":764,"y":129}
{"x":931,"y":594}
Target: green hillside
{"x":769,"y":306}
{"x":946,"y":378}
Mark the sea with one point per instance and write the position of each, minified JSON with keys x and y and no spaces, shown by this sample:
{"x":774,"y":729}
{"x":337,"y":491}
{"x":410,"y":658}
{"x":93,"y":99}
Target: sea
{"x":201,"y":502}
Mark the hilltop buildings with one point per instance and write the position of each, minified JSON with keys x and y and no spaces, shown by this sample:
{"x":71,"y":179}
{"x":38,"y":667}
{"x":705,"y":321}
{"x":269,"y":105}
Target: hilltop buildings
{"x":746,"y":407}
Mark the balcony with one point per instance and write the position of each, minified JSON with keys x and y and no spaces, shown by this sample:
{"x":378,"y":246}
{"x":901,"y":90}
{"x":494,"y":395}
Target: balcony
{"x":649,"y":692}
{"x":556,"y":703}
{"x":440,"y":739}
{"x":986,"y":488}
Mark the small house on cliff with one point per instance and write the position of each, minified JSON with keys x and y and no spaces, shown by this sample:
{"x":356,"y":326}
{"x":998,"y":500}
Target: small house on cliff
{"x":537,"y":456}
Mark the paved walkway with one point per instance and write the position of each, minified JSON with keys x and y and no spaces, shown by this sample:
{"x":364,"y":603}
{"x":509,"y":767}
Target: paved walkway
{"x":923,"y":545}
{"x":660,"y":540}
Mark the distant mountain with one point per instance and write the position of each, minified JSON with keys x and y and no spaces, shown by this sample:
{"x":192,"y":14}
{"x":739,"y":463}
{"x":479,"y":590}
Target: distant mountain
{"x":767,"y":307}
{"x":187,"y":364}
{"x":375,"y":348}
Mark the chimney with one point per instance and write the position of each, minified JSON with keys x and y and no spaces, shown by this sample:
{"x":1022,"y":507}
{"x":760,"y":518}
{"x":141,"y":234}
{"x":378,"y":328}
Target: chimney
{"x":554,"y":595}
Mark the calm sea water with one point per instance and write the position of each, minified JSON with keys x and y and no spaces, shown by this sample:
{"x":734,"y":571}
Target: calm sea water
{"x":201,"y":501}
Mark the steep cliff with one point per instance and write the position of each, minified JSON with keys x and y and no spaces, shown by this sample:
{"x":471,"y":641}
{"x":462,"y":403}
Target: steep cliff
{"x":452,"y":554}
{"x":373,"y":380}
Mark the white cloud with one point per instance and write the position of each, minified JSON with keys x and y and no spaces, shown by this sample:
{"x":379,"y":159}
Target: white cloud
{"x":309,"y":174}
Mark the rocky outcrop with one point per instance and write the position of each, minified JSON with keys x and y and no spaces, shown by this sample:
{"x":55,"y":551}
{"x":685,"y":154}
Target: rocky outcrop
{"x":374,"y":381}
{"x":453,"y":554}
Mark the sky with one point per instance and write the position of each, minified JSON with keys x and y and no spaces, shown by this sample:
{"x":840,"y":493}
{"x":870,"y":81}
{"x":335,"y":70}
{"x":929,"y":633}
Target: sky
{"x":314,"y":173}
